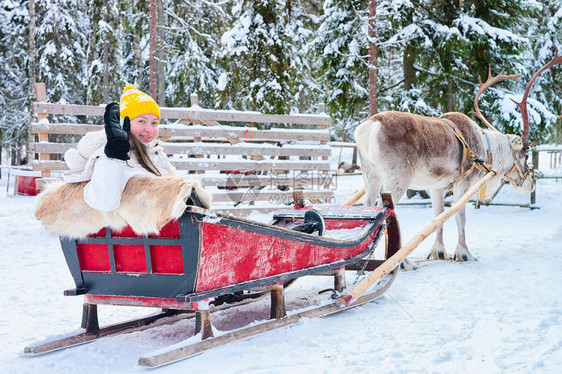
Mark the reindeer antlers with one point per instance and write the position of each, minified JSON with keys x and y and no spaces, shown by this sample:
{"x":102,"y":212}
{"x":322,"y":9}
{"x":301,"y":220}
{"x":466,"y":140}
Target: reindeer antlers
{"x":557,"y":59}
{"x":523,"y":104}
{"x":490,"y":82}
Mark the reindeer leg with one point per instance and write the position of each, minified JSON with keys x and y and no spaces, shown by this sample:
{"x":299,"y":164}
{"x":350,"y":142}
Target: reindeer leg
{"x":406,"y":265}
{"x":371,"y":193}
{"x":372,"y":188}
{"x":438,"y":251}
{"x":371,"y":181}
{"x":397,"y":193}
{"x":461,"y":253}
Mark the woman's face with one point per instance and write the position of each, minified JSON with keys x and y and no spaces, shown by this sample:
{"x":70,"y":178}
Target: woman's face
{"x":145,"y":127}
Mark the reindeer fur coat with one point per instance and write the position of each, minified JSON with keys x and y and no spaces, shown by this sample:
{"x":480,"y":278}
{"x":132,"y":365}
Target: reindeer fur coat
{"x":147,"y":204}
{"x":102,"y":191}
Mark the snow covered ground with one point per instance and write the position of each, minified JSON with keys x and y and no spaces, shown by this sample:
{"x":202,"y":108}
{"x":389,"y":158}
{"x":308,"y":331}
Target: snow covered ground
{"x":500,"y":314}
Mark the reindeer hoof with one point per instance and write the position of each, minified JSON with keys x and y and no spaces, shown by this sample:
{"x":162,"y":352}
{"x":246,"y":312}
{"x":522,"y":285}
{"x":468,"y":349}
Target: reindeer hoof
{"x":406,"y":265}
{"x":438,"y":253}
{"x":462,"y":254}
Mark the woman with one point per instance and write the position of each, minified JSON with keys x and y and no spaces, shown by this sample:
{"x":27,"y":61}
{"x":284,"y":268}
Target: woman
{"x":108,"y":159}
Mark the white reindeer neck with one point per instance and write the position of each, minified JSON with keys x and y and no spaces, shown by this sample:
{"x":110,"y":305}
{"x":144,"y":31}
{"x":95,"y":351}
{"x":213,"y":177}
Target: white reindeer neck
{"x":500,"y":148}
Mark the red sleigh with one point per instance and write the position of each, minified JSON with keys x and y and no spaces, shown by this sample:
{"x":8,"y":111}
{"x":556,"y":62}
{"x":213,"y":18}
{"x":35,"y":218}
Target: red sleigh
{"x":204,"y":256}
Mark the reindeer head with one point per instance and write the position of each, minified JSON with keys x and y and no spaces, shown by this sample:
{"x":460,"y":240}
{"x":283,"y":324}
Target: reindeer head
{"x":521,"y":176}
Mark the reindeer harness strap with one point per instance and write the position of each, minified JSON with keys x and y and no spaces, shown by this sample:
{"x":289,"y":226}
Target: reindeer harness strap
{"x":489,"y":164}
{"x":474,"y":160}
{"x":516,"y":167}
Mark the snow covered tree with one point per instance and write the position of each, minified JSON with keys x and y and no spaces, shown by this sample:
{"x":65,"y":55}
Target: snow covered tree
{"x":61,"y":49}
{"x":192,"y":48}
{"x":14,"y":82}
{"x":134,"y":35}
{"x":545,"y":99}
{"x":448,"y":44}
{"x":401,"y":37}
{"x":342,"y":48}
{"x":302,"y":18}
{"x":280,"y":56}
{"x":261,"y":69}
{"x":103,"y":79}
{"x":373,"y":59}
{"x":153,"y":49}
{"x":492,"y":32}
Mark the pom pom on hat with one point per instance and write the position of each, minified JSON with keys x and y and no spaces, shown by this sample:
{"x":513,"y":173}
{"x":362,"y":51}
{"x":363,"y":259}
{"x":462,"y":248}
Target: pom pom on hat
{"x":134,"y":103}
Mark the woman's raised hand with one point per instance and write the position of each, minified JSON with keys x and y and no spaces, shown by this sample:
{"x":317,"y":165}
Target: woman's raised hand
{"x":118,"y":145}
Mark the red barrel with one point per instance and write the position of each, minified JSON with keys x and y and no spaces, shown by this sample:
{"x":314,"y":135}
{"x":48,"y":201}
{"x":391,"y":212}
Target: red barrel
{"x":26,"y":186}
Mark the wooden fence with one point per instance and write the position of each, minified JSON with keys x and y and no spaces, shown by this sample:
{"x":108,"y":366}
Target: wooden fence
{"x":286,"y":161}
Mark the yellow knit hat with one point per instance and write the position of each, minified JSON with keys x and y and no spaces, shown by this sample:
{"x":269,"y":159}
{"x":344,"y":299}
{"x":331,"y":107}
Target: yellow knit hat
{"x":134,"y":103}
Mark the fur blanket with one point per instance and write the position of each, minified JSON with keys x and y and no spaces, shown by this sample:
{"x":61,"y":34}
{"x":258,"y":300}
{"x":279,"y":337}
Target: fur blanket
{"x":147,"y":204}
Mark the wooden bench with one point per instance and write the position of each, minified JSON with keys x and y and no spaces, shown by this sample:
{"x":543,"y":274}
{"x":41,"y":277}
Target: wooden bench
{"x":249,"y":160}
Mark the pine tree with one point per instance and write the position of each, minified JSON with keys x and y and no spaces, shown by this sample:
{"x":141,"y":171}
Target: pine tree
{"x":305,"y":92}
{"x":341,"y":45}
{"x":545,"y":99}
{"x":104,"y":79}
{"x":134,"y":35}
{"x":495,"y":37}
{"x":401,"y":37}
{"x":192,"y":46}
{"x":452,"y":43}
{"x":61,"y":50}
{"x":260,"y":67}
{"x":14,"y":83}
{"x":280,"y":56}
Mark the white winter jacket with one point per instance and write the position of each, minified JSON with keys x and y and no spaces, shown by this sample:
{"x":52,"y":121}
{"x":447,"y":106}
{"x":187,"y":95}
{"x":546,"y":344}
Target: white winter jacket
{"x":108,"y":176}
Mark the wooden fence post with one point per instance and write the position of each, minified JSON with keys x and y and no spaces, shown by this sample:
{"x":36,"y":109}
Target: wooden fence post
{"x":322,"y":110}
{"x":42,"y":117}
{"x":194,"y":98}
{"x":535,"y":158}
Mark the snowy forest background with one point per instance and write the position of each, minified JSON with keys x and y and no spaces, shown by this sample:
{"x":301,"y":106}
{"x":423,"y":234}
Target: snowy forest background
{"x":282,"y":56}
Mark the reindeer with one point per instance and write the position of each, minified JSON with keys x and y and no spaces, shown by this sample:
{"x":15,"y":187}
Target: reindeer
{"x":400,"y":150}
{"x":347,"y":167}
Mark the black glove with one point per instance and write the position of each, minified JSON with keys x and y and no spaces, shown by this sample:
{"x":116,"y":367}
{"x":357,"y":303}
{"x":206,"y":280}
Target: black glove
{"x":118,"y":145}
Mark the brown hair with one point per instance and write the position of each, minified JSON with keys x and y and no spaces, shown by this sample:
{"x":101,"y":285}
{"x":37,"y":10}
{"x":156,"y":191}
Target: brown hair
{"x":143,"y":157}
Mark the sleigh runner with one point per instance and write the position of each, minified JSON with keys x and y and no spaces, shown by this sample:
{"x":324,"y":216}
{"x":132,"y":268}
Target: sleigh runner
{"x":204,"y":257}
